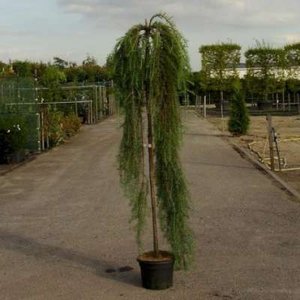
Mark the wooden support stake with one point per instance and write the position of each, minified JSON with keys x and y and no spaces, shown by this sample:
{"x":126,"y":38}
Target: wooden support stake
{"x":274,"y":134}
{"x":270,"y":135}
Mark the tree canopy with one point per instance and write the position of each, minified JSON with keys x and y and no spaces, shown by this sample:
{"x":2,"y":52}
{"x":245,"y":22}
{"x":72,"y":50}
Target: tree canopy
{"x":219,"y":65}
{"x":87,"y":72}
{"x":265,"y":69}
{"x":292,"y":60}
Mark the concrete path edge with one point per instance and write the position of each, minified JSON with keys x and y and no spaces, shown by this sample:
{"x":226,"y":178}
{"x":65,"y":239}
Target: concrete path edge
{"x":245,"y":154}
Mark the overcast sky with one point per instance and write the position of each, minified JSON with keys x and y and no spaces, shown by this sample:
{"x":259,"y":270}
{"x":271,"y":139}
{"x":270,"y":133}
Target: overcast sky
{"x":71,"y":29}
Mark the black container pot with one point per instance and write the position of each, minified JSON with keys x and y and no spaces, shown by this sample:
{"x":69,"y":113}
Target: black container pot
{"x":156,"y":273}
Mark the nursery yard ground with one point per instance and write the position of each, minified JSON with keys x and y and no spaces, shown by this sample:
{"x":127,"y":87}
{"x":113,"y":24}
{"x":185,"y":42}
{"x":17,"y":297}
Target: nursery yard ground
{"x":64,"y":231}
{"x":288,"y":132}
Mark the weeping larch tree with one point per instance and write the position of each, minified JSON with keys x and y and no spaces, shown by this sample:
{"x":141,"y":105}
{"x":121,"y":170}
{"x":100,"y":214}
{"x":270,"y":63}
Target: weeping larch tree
{"x":150,"y":64}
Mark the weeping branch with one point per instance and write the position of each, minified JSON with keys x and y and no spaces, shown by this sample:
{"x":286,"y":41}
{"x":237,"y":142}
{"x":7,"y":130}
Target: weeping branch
{"x":150,"y":66}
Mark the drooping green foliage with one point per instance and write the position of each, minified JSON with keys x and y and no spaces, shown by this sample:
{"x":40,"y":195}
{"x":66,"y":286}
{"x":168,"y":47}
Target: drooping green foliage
{"x":169,"y":67}
{"x":150,"y":65}
{"x":239,"y":118}
{"x":127,"y":62}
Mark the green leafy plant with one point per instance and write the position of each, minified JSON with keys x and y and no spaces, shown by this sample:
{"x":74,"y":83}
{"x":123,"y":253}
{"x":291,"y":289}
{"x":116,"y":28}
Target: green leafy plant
{"x":13,"y":136}
{"x":150,"y":64}
{"x":71,"y":125}
{"x":239,"y":118}
{"x":54,"y":127}
{"x":60,"y":127}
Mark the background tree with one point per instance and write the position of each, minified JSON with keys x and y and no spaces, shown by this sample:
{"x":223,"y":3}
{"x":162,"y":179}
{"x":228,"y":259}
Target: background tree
{"x":88,"y":72}
{"x":52,"y":78}
{"x":239,"y":118}
{"x":22,"y":68}
{"x":219,"y":66}
{"x":292,"y":59}
{"x":150,"y":65}
{"x":265,"y":70}
{"x":3,"y":69}
{"x":60,"y":63}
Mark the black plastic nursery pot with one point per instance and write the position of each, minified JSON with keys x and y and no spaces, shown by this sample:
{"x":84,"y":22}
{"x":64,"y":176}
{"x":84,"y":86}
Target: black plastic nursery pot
{"x":156,"y":272}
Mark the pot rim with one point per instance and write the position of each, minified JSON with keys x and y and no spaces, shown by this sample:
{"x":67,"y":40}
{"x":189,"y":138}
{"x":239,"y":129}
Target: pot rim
{"x":147,"y":257}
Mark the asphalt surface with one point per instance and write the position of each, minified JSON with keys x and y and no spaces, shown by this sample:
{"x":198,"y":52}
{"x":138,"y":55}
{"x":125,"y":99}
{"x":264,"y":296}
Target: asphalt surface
{"x":64,"y":231}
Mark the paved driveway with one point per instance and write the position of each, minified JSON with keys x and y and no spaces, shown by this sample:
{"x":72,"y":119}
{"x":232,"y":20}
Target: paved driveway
{"x":64,"y":224}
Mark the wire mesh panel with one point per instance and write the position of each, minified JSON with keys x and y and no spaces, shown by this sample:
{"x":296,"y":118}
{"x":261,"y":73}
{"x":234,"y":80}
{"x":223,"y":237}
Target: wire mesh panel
{"x":27,"y":124}
{"x":33,"y":137}
{"x":50,"y":114}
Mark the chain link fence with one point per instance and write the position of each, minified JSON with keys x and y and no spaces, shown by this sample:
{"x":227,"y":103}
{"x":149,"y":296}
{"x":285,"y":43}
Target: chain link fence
{"x":22,"y":99}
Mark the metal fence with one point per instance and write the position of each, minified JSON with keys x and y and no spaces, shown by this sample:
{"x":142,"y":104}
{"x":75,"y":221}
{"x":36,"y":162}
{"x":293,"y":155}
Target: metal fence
{"x":23,"y":97}
{"x":277,"y":106}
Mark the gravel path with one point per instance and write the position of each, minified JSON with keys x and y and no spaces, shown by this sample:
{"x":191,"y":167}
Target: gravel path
{"x":64,"y":231}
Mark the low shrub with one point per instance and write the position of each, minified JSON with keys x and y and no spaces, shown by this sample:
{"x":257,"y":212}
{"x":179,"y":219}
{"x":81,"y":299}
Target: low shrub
{"x":62,"y":127}
{"x":71,"y":125}
{"x":238,"y":123}
{"x":55,"y":128}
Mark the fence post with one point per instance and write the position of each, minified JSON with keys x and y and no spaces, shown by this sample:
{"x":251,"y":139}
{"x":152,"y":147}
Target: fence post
{"x":38,"y":123}
{"x":101,"y":101}
{"x":204,"y":107}
{"x":222,"y":102}
{"x":42,"y":129}
{"x":91,"y":112}
{"x":96,"y":104}
{"x":200,"y":103}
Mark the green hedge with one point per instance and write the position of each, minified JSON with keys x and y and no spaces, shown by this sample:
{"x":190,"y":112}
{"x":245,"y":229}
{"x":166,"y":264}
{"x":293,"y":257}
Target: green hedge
{"x":13,"y":136}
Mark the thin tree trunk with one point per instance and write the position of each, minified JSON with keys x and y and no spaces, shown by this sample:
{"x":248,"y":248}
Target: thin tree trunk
{"x":152,"y":181}
{"x":151,"y":157}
